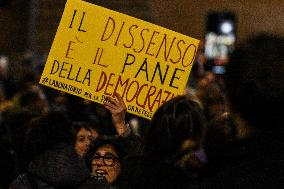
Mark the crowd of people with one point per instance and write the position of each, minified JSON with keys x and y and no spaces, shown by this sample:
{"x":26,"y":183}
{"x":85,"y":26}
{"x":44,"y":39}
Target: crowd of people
{"x":225,"y":131}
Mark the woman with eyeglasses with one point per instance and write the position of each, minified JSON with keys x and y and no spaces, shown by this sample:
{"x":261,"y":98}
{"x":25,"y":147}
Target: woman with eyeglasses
{"x":106,"y":154}
{"x":104,"y":158}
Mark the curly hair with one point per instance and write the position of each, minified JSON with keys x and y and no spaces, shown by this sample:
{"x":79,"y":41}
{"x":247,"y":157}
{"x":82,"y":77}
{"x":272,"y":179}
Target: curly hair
{"x":101,"y":141}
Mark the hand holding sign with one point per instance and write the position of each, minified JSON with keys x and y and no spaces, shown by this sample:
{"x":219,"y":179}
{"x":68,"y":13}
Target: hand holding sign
{"x":118,"y":111}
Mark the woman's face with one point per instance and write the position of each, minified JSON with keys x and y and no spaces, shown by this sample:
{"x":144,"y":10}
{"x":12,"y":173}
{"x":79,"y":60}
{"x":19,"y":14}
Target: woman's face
{"x":83,"y":141}
{"x":105,"y":163}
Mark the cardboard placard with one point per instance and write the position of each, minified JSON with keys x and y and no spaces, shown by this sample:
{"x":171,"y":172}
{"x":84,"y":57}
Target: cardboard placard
{"x":97,"y":51}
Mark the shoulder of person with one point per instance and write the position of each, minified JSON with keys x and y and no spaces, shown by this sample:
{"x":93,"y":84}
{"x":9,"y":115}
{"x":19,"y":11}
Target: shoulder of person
{"x":21,"y":182}
{"x":95,"y":182}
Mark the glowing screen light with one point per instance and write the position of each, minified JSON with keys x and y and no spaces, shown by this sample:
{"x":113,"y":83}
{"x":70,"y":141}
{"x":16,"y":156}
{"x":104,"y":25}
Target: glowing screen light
{"x":226,"y":27}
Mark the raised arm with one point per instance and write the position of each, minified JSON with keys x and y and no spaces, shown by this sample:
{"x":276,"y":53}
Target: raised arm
{"x":117,"y":108}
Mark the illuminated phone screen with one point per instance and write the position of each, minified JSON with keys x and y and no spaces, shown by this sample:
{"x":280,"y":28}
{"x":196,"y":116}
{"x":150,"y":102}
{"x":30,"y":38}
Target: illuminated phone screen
{"x":220,"y":39}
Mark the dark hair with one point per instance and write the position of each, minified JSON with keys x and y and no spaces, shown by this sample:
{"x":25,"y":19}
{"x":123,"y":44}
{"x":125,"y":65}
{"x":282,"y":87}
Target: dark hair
{"x":78,"y":125}
{"x":174,"y":122}
{"x":101,"y":141}
{"x":46,"y":132}
{"x":28,"y":97}
{"x":255,"y":80}
{"x":220,"y":134}
{"x":212,"y":95}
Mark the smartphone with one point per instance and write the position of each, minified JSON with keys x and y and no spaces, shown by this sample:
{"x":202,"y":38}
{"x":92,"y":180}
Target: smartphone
{"x":220,"y":40}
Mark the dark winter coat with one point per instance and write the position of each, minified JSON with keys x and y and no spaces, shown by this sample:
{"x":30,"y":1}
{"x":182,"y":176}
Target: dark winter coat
{"x":59,"y":168}
{"x":257,"y":162}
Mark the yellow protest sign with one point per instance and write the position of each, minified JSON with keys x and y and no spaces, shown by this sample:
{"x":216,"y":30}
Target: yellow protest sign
{"x":97,"y":52}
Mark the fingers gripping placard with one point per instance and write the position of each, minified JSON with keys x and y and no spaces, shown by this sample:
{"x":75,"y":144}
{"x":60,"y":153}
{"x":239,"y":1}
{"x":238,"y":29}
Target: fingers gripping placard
{"x":98,"y":52}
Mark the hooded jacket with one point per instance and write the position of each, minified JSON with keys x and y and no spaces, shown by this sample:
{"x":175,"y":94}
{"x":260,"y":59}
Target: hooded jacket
{"x":58,"y":168}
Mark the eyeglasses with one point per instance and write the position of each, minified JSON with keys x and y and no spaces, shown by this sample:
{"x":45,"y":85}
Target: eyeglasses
{"x":108,"y":159}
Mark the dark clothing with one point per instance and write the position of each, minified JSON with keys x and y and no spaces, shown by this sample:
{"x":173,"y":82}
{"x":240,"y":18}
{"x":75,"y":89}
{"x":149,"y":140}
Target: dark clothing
{"x":7,"y":165}
{"x":61,"y":168}
{"x":141,"y":173}
{"x":26,"y":181}
{"x":257,"y":162}
{"x":132,"y":145}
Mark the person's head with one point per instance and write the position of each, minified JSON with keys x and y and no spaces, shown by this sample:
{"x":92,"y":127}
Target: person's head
{"x":255,"y":80}
{"x":220,"y":133}
{"x":4,"y":64}
{"x":104,"y":158}
{"x":34,"y":100}
{"x":84,"y":137}
{"x":213,"y":101}
{"x":205,"y":79}
{"x":177,"y":126}
{"x":46,"y":132}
